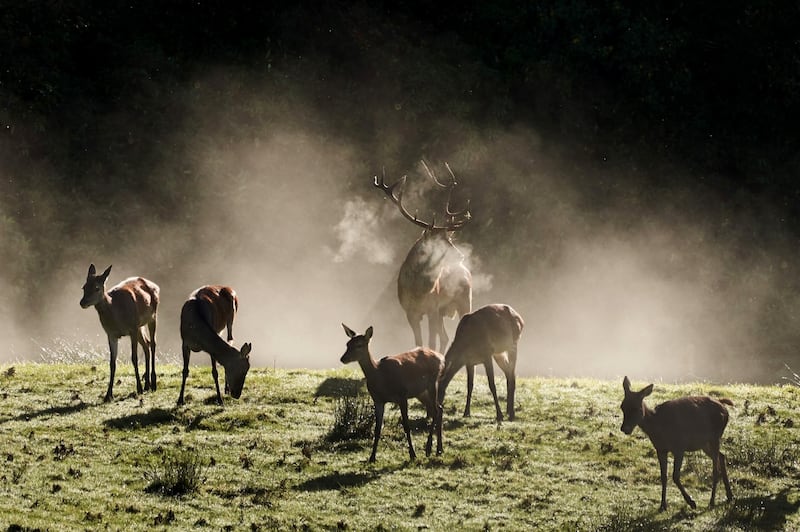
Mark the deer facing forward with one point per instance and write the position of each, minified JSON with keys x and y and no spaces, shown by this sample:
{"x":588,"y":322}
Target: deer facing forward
{"x":124,"y":310}
{"x":395,"y":379}
{"x":678,"y":426}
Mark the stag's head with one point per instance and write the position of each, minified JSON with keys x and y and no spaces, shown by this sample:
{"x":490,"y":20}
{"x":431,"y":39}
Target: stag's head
{"x":450,"y":221}
{"x":633,"y":406}
{"x":95,"y":287}
{"x":237,"y":371}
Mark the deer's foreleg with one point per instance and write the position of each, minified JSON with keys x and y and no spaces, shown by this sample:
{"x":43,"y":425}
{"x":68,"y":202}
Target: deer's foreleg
{"x":379,"y":407}
{"x":112,"y":367}
{"x":470,"y":384}
{"x":662,"y":462}
{"x":215,"y":374}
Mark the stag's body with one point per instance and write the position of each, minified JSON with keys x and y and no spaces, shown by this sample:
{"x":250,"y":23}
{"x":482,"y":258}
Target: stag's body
{"x":433,"y":279}
{"x":679,"y":426}
{"x":490,"y":333}
{"x":396,"y":379}
{"x":208,"y":310}
{"x":124,"y":310}
{"x":434,"y":282}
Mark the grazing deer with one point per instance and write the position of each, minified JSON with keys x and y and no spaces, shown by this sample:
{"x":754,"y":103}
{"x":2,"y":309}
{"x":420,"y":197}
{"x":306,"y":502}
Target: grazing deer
{"x":489,"y":333}
{"x":124,"y":310}
{"x":678,"y":426}
{"x":395,"y":379}
{"x":433,"y":280}
{"x":208,"y":310}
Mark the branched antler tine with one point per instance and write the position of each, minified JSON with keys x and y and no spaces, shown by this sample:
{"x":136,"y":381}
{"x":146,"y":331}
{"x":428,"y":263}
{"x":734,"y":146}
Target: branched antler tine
{"x":452,"y":175}
{"x":432,"y":175}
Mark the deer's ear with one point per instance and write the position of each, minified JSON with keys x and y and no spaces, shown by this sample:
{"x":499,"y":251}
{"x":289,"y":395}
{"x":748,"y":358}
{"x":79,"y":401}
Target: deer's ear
{"x":647,"y":390}
{"x":245,"y":350}
{"x":92,"y":271}
{"x":626,"y":384}
{"x":105,"y":273}
{"x":348,"y":331}
{"x":368,"y":334}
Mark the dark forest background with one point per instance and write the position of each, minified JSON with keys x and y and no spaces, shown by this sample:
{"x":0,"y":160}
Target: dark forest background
{"x":669,"y":125}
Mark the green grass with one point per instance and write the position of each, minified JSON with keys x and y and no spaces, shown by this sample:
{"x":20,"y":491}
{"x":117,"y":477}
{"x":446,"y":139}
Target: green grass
{"x":268,"y":461}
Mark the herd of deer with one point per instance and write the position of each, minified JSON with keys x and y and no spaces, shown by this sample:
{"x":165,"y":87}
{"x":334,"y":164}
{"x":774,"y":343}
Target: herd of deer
{"x":433,"y":281}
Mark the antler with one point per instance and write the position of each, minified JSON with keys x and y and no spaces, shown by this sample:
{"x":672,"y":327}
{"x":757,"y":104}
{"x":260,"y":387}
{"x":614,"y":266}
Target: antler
{"x":457,"y":219}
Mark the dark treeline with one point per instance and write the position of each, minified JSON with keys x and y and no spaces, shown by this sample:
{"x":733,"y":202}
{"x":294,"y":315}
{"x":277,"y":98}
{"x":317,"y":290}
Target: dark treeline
{"x":697,"y":97}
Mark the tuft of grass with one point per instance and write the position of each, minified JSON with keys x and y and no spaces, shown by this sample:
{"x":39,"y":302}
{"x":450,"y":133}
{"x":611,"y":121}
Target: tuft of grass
{"x":353,"y":418}
{"x":177,"y":473}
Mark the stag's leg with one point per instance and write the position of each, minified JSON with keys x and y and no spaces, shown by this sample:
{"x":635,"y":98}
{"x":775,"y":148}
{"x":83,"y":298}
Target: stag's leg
{"x":415,"y":321}
{"x":470,"y":383}
{"x":713,"y":453}
{"x":378,"y":425}
{"x":407,"y":428}
{"x":186,"y":354}
{"x":113,"y":344}
{"x":490,"y":375}
{"x":676,"y":477}
{"x":152,"y":328}
{"x":508,"y":364}
{"x":437,"y":421}
{"x":135,"y":360}
{"x":215,"y":374}
{"x":434,"y":409}
{"x":662,"y":462}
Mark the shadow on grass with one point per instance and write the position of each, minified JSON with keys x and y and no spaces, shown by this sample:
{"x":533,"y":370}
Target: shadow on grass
{"x":338,"y":480}
{"x":156,"y":416}
{"x":760,"y":513}
{"x":63,"y":410}
{"x":335,"y":387}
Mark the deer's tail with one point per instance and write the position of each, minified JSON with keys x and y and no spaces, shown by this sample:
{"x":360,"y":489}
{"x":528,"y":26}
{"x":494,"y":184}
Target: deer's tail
{"x":726,"y":401}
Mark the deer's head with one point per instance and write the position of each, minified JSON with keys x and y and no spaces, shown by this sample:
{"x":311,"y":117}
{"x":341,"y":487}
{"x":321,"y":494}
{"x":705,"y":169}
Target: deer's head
{"x":633,"y":406}
{"x":236,"y":372}
{"x":357,"y":346}
{"x":95,"y":287}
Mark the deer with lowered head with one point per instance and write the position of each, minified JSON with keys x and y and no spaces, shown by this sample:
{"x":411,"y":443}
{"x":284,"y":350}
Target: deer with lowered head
{"x":208,"y":310}
{"x":396,"y":379}
{"x":433,"y":280}
{"x":488,"y":334}
{"x":124,"y":310}
{"x":679,"y":426}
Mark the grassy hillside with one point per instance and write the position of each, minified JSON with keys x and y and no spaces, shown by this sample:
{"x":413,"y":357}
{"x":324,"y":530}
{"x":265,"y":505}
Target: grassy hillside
{"x":271,"y":460}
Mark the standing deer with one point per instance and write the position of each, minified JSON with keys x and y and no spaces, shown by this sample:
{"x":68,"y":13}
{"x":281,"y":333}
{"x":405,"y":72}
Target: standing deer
{"x":395,"y":379}
{"x":678,"y":426}
{"x":489,"y":333}
{"x":433,"y":280}
{"x":124,"y":310}
{"x":208,"y":310}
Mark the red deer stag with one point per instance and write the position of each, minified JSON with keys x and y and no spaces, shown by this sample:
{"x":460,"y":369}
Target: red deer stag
{"x":124,"y":310}
{"x":395,"y":379}
{"x":678,"y":426}
{"x":433,"y":280}
{"x":208,"y":310}
{"x":489,"y":333}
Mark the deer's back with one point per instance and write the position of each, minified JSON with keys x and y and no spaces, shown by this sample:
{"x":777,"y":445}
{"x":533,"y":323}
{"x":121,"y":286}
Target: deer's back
{"x":218,"y":304}
{"x":408,"y":374}
{"x":490,"y":329}
{"x":687,"y":423}
{"x":134,"y":303}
